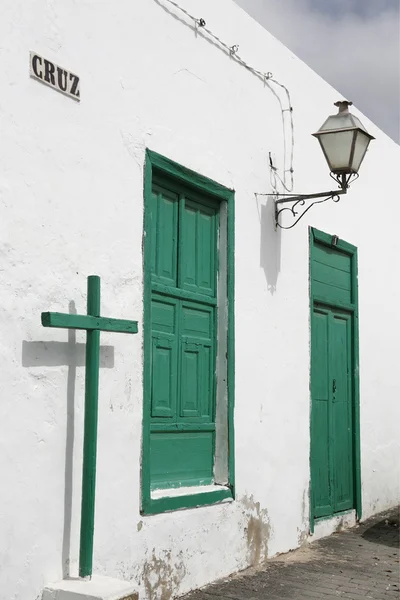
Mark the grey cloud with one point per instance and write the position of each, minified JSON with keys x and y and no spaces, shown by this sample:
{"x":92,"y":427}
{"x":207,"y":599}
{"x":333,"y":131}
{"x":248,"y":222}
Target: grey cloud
{"x":353,"y":44}
{"x":368,"y":8}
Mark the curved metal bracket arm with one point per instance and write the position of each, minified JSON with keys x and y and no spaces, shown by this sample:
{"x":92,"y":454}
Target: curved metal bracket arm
{"x":298,"y":201}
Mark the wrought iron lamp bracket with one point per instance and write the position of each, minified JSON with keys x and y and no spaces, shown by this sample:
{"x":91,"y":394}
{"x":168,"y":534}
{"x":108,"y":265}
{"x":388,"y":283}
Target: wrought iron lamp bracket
{"x":300,"y":200}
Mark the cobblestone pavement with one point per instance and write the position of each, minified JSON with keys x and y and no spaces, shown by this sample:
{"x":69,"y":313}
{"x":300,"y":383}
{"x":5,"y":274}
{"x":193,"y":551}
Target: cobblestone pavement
{"x":357,"y":564}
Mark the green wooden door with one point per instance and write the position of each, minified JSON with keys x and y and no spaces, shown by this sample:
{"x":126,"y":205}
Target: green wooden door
{"x":332,"y":411}
{"x":184,"y":266}
{"x":335,"y":408}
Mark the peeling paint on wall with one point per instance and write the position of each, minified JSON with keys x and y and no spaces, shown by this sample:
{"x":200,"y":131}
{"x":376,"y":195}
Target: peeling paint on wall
{"x":303,"y":530}
{"x":162,"y":575}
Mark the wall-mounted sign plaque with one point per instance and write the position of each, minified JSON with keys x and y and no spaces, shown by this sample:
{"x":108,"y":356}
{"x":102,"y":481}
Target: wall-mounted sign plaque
{"x":54,"y":76}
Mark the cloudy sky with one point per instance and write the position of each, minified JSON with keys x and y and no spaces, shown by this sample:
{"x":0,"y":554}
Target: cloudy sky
{"x":353,"y":44}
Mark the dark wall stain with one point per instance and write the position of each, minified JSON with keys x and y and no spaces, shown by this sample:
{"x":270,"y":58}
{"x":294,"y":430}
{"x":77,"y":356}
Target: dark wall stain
{"x":257,"y":530}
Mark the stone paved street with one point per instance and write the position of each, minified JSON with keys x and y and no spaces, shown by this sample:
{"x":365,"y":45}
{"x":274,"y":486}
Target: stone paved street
{"x":356,"y":564}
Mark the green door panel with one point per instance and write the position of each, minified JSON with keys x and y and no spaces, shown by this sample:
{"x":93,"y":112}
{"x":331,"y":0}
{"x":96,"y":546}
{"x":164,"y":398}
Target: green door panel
{"x":198,"y":358}
{"x":164,"y":377}
{"x":206,"y":251}
{"x":164,"y":357}
{"x":199,"y":245}
{"x":181,"y":459}
{"x":331,"y":275}
{"x":189,"y":246}
{"x":197,"y":321}
{"x":330,"y":257}
{"x":207,"y":400}
{"x":164,"y":236}
{"x":320,"y":435}
{"x":196,"y":381}
{"x":332,"y":282}
{"x":342,"y":411}
{"x":164,"y":314}
{"x":192,"y":388}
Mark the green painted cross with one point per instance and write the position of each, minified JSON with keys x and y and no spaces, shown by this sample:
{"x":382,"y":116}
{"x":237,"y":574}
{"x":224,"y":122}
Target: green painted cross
{"x":93,"y":324}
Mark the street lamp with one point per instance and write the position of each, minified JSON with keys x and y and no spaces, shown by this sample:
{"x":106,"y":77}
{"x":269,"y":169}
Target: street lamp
{"x":344,"y":142}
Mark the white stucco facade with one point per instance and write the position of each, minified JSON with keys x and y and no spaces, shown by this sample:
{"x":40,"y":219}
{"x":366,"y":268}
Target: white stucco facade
{"x":71,"y":202}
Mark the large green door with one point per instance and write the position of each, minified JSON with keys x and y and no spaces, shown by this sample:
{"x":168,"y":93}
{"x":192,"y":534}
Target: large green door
{"x":184,"y":266}
{"x":331,"y":425}
{"x":333,"y":387}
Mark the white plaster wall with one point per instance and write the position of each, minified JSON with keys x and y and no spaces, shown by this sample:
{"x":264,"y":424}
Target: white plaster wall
{"x":71,"y":201}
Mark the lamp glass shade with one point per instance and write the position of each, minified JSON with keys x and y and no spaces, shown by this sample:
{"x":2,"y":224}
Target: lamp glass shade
{"x":337,"y":149}
{"x":344,"y":140}
{"x":360,"y":148}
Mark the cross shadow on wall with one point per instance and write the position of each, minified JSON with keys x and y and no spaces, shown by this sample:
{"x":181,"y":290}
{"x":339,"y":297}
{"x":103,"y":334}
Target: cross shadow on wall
{"x":270,"y":242}
{"x":72,"y":355}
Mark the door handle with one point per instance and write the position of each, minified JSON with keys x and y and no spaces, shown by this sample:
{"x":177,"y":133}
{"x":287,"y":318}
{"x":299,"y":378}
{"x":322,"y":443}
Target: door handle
{"x":334,"y":386}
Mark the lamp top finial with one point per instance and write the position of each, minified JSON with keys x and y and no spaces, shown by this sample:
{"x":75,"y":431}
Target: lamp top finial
{"x":343,"y":106}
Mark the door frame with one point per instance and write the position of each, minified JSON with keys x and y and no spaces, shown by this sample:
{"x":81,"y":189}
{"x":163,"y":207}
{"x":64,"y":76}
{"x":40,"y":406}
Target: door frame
{"x":333,"y":242}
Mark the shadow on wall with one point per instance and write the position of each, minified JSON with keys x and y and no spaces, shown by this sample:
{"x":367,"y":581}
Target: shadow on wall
{"x":72,"y":355}
{"x":270,"y":245}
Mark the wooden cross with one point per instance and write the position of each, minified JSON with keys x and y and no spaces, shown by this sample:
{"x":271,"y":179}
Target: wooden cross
{"x":93,"y":324}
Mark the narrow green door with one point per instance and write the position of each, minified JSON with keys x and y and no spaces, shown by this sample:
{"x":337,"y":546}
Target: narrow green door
{"x":183,"y":315}
{"x":331,"y":425}
{"x":334,"y":420}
